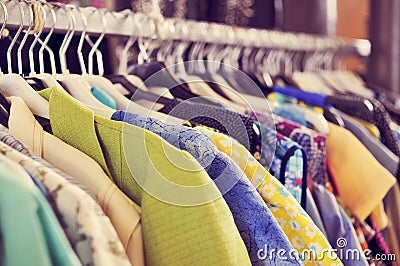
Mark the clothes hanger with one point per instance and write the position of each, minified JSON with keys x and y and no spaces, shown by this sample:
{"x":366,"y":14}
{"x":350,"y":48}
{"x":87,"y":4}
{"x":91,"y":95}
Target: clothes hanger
{"x":93,"y":80}
{"x":331,"y":116}
{"x":242,"y":83}
{"x":123,"y":103}
{"x":131,"y":83}
{"x":308,"y":80}
{"x":257,"y":71}
{"x":199,"y":82}
{"x":125,"y":80}
{"x":4,"y":105}
{"x":98,"y":80}
{"x":231,"y":59}
{"x":224,"y":76}
{"x":223,"y":73}
{"x":219,"y":74}
{"x":196,"y":85}
{"x":79,"y":88}
{"x":13,"y":84}
{"x":146,"y":70}
{"x":41,"y":80}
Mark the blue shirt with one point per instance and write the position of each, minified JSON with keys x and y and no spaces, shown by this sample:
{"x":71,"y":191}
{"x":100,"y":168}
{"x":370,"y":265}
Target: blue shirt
{"x":255,"y":222}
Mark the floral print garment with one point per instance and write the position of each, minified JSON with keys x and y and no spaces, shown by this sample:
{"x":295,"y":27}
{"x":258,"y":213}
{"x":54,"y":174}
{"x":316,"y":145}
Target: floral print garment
{"x":295,"y":222}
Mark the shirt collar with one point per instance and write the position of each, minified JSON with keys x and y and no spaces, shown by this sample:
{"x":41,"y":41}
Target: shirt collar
{"x":23,"y":125}
{"x":68,"y":115}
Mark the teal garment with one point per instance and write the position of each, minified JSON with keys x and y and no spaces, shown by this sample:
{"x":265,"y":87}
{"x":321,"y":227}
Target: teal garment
{"x":31,"y":234}
{"x":103,"y":97}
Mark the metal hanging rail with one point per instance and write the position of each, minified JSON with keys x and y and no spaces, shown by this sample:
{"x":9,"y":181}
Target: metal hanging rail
{"x":126,"y":23}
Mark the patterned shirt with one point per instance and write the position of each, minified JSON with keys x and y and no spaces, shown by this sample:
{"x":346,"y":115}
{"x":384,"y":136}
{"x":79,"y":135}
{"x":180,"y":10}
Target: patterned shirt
{"x":288,"y":161}
{"x":240,"y":127}
{"x":312,"y":142}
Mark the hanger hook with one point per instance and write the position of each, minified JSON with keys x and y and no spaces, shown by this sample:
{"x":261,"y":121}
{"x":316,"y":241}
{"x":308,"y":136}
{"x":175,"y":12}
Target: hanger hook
{"x":46,"y":40}
{"x":99,"y":55}
{"x":3,"y":6}
{"x":4,"y":23}
{"x":81,"y":40}
{"x":23,"y":41}
{"x":14,"y":40}
{"x":61,"y":52}
{"x":37,"y":35}
{"x":123,"y":61}
{"x":64,"y":49}
{"x":182,"y":28}
{"x":97,"y":43}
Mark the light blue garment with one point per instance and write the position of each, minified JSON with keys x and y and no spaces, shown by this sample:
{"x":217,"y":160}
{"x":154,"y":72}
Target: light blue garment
{"x":255,"y":222}
{"x":338,"y":226}
{"x":312,"y":210}
{"x":103,"y":97}
{"x":31,"y":234}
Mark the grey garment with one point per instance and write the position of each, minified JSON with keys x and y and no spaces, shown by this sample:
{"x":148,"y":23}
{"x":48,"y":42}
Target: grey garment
{"x":236,"y":125}
{"x":8,"y":139}
{"x":381,"y":153}
{"x":392,"y":207}
{"x":338,"y":226}
{"x":312,"y":210}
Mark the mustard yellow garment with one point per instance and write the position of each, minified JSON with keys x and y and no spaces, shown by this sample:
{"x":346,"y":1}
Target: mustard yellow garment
{"x":295,"y":222}
{"x":378,"y":215}
{"x":185,"y":220}
{"x":361,"y":181}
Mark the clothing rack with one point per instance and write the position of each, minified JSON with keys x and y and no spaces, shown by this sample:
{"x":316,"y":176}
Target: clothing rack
{"x":126,"y":23}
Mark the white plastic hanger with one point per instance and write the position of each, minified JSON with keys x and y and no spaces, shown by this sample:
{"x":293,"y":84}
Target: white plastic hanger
{"x":75,"y":85}
{"x":4,"y":7}
{"x":48,"y":79}
{"x":123,"y":103}
{"x":123,"y":59}
{"x":14,"y":84}
{"x":97,"y":80}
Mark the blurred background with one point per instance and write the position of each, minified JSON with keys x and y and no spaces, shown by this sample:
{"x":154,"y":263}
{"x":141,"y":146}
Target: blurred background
{"x":377,"y":21}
